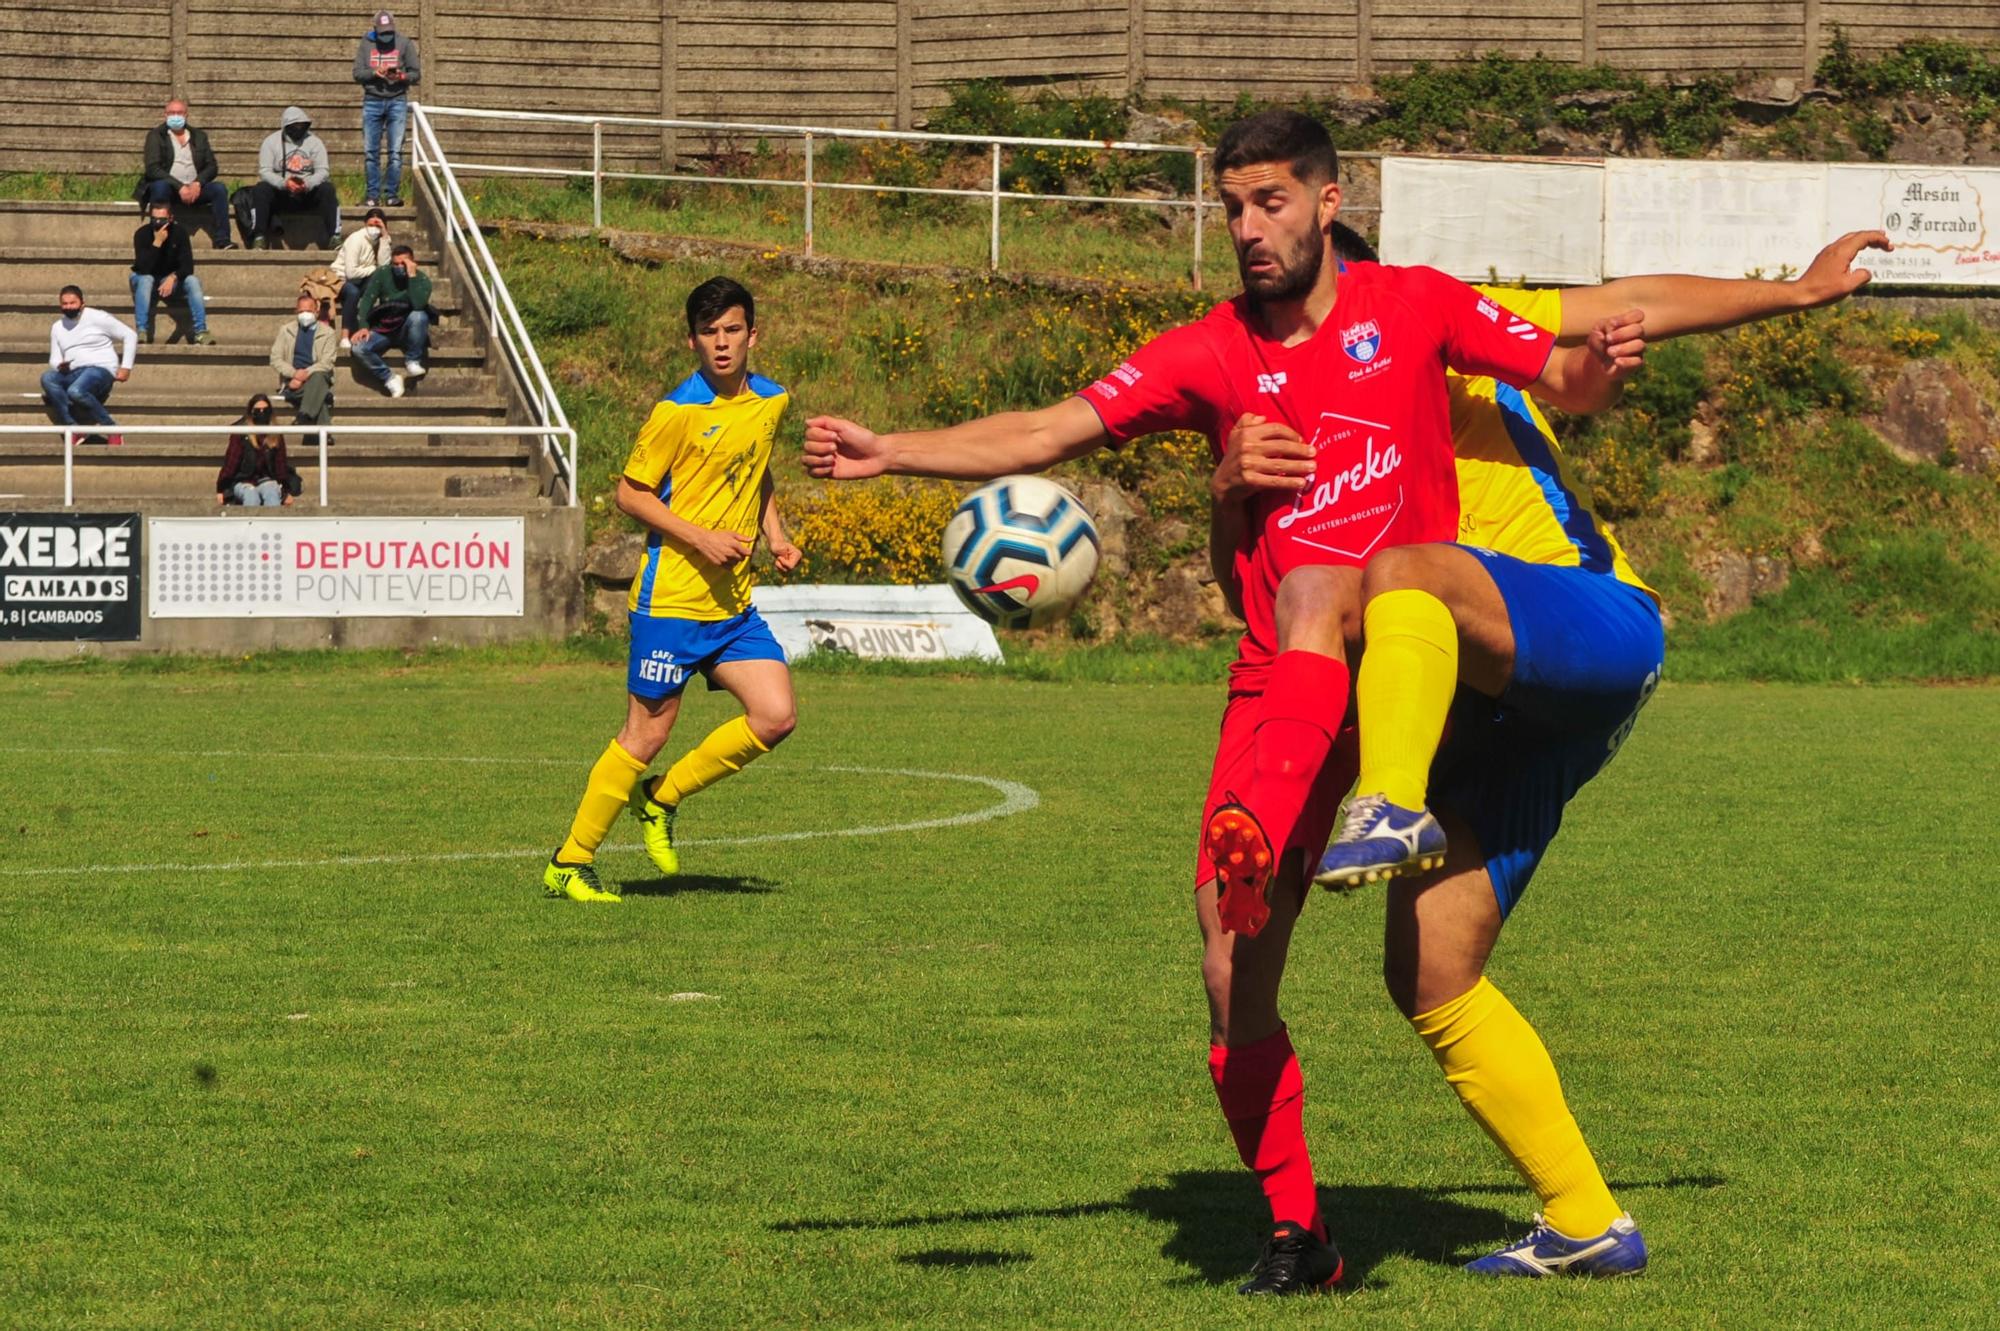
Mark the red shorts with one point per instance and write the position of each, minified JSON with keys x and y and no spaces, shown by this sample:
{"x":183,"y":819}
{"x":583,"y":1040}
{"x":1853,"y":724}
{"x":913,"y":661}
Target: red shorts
{"x":1231,"y":777}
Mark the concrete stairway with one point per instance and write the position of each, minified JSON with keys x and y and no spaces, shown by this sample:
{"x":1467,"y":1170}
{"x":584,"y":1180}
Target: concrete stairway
{"x":44,"y":246}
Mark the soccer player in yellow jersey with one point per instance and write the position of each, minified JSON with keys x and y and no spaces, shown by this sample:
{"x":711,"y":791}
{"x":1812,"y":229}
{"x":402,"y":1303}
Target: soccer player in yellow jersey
{"x":1538,"y":638}
{"x":699,"y":479}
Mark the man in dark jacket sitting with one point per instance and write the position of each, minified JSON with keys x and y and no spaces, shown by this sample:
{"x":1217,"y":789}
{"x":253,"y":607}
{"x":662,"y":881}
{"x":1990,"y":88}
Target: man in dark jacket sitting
{"x":163,"y":268}
{"x":395,"y":312}
{"x":181,"y":166}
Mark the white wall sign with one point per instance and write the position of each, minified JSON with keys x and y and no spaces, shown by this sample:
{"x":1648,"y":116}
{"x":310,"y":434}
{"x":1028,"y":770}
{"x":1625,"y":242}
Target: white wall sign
{"x":1713,"y":219}
{"x":1944,"y":221}
{"x":910,"y":623}
{"x":1479,"y":220}
{"x":302,"y":568}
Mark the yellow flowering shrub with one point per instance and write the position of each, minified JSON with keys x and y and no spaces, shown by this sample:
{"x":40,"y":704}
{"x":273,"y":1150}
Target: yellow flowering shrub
{"x":873,"y":531}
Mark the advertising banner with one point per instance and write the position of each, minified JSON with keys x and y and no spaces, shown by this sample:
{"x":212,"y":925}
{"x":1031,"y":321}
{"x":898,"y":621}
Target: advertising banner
{"x":69,"y":577}
{"x":1944,"y":221}
{"x":306,"y":568}
{"x":1713,"y":219}
{"x":911,"y":623}
{"x":1514,"y":221}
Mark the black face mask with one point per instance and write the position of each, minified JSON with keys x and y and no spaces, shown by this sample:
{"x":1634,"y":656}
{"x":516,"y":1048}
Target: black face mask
{"x":297,"y":133}
{"x":162,"y":222}
{"x":261,"y":415}
{"x":385,"y":39}
{"x":69,"y":314}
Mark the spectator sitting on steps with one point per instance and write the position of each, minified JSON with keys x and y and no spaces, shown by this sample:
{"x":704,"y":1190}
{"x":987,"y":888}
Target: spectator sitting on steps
{"x":180,"y":165}
{"x":83,"y":366}
{"x":293,"y":175}
{"x":163,"y":267}
{"x":386,"y":67}
{"x":302,"y":356}
{"x":395,"y":312}
{"x":365,"y":251}
{"x":255,"y":471}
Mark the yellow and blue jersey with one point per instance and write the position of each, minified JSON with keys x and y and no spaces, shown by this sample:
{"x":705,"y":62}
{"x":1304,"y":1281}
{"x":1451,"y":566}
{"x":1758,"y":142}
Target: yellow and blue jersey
{"x":1516,"y":495}
{"x":706,"y":457}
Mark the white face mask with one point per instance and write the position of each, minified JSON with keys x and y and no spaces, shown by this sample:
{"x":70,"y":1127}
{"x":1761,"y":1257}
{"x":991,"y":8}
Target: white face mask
{"x":307,"y":318}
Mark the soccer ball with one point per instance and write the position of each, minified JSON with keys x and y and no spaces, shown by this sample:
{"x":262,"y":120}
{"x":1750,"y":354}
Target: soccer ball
{"x":1020,"y":551}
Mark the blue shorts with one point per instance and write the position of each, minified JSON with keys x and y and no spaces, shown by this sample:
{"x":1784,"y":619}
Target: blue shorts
{"x":666,"y":651}
{"x":1587,"y":655}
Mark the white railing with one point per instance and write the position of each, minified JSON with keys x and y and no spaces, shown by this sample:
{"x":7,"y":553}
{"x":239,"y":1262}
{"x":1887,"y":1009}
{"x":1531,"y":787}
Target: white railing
{"x":506,"y":333}
{"x":810,"y":136}
{"x":72,"y":433}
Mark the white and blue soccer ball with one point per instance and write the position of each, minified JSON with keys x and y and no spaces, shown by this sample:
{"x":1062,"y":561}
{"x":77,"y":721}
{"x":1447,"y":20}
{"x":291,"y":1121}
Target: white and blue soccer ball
{"x":1020,"y":551}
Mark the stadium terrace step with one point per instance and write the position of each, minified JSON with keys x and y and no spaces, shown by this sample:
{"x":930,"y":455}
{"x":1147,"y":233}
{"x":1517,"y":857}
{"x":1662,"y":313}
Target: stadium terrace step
{"x":270,"y":277}
{"x":51,"y":223}
{"x":360,"y":466}
{"x":237,"y":324}
{"x":234,"y":370}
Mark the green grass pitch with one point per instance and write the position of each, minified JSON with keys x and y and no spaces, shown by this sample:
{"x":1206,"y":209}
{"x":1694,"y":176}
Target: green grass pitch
{"x":360,"y":1074}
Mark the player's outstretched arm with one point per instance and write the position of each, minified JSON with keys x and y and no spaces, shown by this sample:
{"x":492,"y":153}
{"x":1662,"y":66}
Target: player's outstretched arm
{"x":1588,"y":379}
{"x":721,"y":548}
{"x":1677,"y":304}
{"x":992,"y":446}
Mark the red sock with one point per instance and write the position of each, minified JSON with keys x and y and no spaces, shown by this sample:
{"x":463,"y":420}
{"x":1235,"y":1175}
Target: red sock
{"x":1303,"y":704}
{"x":1263,"y":1096}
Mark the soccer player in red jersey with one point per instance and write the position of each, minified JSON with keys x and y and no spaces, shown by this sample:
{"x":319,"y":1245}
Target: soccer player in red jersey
{"x":1354,"y":356}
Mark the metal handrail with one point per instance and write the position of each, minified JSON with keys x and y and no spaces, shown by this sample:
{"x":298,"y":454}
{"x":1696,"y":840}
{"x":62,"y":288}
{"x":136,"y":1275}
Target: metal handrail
{"x":810,"y":135}
{"x":70,"y":434}
{"x":506,"y":330}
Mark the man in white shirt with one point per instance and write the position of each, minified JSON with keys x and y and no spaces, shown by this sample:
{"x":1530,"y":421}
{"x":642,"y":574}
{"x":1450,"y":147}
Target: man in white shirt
{"x":83,"y":364}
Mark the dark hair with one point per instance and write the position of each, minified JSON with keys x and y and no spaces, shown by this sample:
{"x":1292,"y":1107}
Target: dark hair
{"x":159,"y":203}
{"x":375,"y":215}
{"x":1278,"y":135}
{"x":1349,"y":244}
{"x":398,"y":251}
{"x":715,"y":298}
{"x":256,"y":438}
{"x":70,"y":290}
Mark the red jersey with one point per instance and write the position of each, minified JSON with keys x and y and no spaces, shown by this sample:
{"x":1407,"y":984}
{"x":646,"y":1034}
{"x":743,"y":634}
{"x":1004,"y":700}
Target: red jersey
{"x":1367,"y":391}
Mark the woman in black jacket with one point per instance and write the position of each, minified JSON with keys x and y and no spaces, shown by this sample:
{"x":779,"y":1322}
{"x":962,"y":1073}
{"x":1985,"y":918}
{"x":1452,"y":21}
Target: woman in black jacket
{"x":255,"y":471}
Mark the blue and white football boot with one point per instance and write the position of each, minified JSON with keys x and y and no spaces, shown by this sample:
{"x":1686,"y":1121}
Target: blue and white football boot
{"x":1618,"y":1251}
{"x":1379,"y":840}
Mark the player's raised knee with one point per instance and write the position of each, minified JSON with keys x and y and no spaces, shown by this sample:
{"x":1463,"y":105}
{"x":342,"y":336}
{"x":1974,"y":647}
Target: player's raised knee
{"x":1403,"y":568}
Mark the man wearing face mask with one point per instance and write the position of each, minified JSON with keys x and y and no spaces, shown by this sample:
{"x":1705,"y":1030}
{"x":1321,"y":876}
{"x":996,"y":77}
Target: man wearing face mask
{"x":293,"y":176}
{"x":386,"y":67}
{"x":181,"y":166}
{"x":395,"y":311}
{"x":302,"y":356}
{"x":363,"y":253}
{"x":83,"y":364}
{"x":163,"y":268}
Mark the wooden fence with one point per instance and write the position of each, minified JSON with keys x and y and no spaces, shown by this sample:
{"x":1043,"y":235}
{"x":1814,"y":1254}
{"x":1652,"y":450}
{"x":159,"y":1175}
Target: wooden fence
{"x":110,"y":64}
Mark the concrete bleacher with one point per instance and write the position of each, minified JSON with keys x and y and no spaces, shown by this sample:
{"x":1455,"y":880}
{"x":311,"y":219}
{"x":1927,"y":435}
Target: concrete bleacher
{"x":44,"y":246}
{"x":436,"y":463}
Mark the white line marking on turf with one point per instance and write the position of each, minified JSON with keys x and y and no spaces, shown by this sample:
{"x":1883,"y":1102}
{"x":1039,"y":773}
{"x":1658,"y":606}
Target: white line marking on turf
{"x":1015,"y":798}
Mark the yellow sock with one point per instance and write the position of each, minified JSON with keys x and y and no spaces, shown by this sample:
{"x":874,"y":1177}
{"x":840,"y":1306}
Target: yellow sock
{"x":728,"y":747}
{"x":1403,"y":692}
{"x":611,"y":781}
{"x":1503,"y":1075}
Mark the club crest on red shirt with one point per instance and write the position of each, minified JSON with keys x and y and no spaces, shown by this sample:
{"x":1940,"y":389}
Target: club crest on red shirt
{"x":1361,"y":341}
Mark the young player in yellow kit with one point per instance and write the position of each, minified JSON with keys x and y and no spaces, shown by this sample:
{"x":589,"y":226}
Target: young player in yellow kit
{"x":699,"y":479}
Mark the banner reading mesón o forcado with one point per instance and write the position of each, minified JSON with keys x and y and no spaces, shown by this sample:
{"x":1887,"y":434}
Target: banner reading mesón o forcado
{"x":304,"y":568}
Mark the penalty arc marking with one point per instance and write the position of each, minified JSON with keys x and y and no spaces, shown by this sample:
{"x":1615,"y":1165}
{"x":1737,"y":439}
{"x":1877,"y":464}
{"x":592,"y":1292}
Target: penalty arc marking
{"x":1014,"y":798}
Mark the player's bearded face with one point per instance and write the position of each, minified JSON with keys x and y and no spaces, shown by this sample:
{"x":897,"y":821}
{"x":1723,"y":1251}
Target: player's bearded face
{"x":1279,"y":247}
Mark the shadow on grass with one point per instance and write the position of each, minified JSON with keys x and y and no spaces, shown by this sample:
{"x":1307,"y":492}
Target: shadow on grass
{"x":1217,"y":1216}
{"x":963,"y":1258}
{"x":686,"y":883}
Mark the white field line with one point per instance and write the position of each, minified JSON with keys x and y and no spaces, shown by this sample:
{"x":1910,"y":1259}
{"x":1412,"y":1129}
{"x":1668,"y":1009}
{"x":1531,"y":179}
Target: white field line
{"x":1014,"y":798}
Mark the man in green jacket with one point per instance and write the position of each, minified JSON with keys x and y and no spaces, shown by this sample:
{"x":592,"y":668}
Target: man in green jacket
{"x":395,"y":312}
{"x":180,"y":167}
